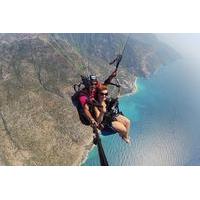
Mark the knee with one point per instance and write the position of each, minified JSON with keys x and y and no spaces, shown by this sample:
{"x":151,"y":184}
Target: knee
{"x":127,"y":121}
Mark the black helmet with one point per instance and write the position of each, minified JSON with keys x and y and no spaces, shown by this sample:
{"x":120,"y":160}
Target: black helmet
{"x":88,"y":81}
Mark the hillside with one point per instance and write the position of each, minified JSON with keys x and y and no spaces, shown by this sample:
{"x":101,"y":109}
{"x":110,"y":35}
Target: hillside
{"x":38,"y":123}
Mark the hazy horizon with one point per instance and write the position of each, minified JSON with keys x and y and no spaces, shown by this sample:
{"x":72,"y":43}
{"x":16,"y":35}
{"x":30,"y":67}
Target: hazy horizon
{"x":187,"y":44}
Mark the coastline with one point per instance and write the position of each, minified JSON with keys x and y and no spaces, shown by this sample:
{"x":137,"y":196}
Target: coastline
{"x":87,"y":151}
{"x":86,"y":154}
{"x":135,"y":89}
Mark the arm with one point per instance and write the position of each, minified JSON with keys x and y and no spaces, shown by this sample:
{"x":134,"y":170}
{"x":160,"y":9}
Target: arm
{"x":88,"y":114}
{"x":100,"y":113}
{"x":83,"y":101}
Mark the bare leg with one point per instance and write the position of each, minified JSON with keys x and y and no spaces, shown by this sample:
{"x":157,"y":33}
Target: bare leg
{"x":125,"y":121}
{"x":121,"y":129}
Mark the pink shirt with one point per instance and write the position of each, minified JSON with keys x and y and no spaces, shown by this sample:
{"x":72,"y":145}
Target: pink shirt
{"x":87,"y":97}
{"x":83,"y":100}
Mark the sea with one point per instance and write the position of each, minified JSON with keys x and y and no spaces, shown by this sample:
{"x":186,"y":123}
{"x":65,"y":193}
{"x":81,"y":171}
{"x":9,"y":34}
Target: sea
{"x":165,"y":120}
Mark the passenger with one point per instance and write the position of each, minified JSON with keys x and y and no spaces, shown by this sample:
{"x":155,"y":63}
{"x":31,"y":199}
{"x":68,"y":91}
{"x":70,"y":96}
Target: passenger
{"x":88,"y":95}
{"x":105,"y":117}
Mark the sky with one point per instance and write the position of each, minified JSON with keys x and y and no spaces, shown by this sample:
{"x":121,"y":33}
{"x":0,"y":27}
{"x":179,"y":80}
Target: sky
{"x":188,"y":44}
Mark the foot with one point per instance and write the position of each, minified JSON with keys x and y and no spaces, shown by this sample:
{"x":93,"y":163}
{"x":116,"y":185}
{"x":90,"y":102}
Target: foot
{"x":127,"y":140}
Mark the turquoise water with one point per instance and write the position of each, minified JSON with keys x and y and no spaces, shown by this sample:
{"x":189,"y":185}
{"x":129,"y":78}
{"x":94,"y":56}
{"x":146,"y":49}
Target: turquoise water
{"x":165,"y":116}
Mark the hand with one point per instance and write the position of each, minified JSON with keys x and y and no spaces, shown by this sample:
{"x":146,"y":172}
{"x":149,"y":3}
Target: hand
{"x":101,"y":127}
{"x":94,"y":123}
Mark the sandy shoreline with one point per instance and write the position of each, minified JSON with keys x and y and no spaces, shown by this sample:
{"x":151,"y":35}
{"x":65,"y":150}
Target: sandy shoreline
{"x":85,"y":157}
{"x":89,"y":150}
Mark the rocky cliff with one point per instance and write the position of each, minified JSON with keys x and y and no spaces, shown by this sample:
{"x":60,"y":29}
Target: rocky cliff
{"x":38,"y":123}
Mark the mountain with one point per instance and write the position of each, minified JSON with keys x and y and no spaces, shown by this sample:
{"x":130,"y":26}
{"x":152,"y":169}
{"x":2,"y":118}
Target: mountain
{"x":38,"y":122}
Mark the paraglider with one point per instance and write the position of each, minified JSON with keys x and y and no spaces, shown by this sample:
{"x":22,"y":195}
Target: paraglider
{"x":98,"y":110}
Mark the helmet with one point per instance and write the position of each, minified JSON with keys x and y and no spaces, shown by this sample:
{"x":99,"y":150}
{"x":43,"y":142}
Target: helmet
{"x":88,"y":81}
{"x":93,"y":78}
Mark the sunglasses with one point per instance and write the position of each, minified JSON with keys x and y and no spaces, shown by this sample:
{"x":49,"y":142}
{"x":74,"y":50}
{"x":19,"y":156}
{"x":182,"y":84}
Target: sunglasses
{"x":102,"y":94}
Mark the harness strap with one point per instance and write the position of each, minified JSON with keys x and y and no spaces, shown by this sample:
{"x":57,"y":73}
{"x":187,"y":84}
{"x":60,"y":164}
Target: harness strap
{"x":117,"y":60}
{"x":117,"y":85}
